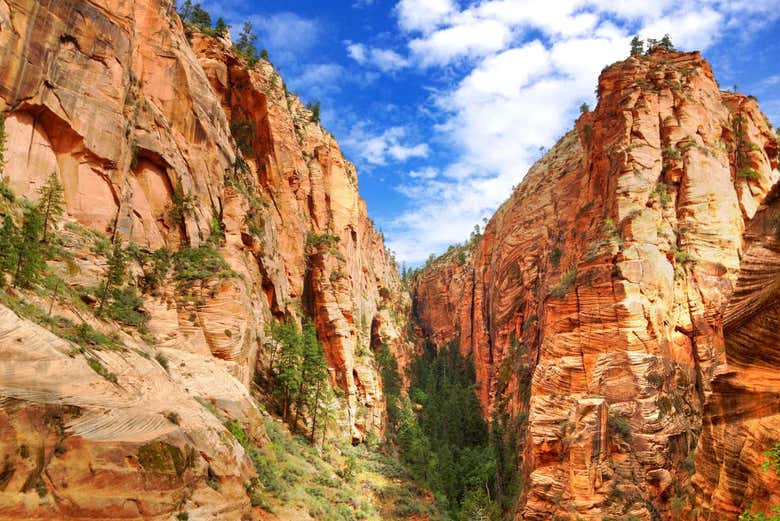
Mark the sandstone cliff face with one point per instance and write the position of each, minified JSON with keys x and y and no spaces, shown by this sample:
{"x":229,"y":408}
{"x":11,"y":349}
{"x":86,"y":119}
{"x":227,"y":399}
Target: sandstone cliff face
{"x":741,"y":416}
{"x":134,"y":119}
{"x":592,"y":304}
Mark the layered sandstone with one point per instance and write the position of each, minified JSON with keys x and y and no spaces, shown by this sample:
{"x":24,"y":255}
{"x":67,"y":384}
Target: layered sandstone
{"x":592,"y":304}
{"x":742,"y":415}
{"x":132,"y":117}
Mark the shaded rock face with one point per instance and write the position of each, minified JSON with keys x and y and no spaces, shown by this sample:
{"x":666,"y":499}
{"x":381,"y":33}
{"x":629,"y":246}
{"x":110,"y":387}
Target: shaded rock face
{"x":741,"y":415}
{"x":592,"y":304}
{"x":132,"y":117}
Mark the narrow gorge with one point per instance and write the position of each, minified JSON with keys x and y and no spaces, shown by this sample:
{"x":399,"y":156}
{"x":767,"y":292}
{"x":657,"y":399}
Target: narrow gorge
{"x":198,"y":319}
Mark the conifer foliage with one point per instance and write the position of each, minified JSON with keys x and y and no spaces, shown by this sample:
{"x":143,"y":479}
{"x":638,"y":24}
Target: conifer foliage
{"x":51,"y":203}
{"x":446,"y":442}
{"x":298,"y":364}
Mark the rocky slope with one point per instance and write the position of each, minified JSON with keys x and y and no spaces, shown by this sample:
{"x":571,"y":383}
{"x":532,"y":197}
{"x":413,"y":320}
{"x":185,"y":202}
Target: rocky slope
{"x":145,"y":130}
{"x":593,"y":303}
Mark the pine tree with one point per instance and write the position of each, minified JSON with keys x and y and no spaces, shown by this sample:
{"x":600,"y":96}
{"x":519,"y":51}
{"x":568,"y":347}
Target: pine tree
{"x":115,"y":275}
{"x":29,"y":254}
{"x":314,"y":371}
{"x":666,"y":43}
{"x":315,"y":111}
{"x":7,"y":248}
{"x":246,"y":44}
{"x":637,"y":46}
{"x":185,"y":10}
{"x":200,"y":17}
{"x":288,"y":367}
{"x":51,"y":203}
{"x":221,"y":27}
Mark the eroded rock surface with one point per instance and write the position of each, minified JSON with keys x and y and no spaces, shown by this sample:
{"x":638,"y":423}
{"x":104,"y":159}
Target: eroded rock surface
{"x":137,"y":121}
{"x":593,"y":303}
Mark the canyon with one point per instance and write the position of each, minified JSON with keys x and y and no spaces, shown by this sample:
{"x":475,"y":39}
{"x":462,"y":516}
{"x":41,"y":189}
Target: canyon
{"x":619,"y":309}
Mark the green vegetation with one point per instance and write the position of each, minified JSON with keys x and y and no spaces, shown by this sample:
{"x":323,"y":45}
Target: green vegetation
{"x":100,"y":369}
{"x":555,"y":257}
{"x":27,"y":249}
{"x":245,"y":46}
{"x":661,"y":193}
{"x":300,"y":372}
{"x":243,"y":131}
{"x":443,"y":439}
{"x":199,"y":264}
{"x":334,"y":483}
{"x":584,"y":108}
{"x":194,"y":16}
{"x":567,"y":282}
{"x":314,"y":108}
{"x":51,"y":203}
{"x":750,"y":174}
{"x":759,"y":516}
{"x":773,"y":458}
{"x":3,"y":139}
{"x":619,"y":426}
{"x":742,"y":149}
{"x":773,"y":462}
{"x":182,"y":204}
{"x":638,"y":45}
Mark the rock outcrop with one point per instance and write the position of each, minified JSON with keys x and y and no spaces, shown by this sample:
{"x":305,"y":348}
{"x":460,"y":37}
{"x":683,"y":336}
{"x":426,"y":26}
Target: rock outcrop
{"x":164,"y":139}
{"x":593,"y":302}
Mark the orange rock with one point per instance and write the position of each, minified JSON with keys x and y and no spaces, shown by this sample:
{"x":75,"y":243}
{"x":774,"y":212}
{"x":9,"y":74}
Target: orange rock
{"x":114,"y":99}
{"x":602,"y":279}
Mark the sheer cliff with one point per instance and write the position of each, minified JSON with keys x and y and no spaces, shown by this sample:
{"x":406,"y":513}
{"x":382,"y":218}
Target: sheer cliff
{"x":165,"y":140}
{"x":593,"y":305}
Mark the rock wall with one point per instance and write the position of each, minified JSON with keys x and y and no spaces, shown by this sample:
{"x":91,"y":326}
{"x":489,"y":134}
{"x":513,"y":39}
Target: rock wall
{"x":741,"y":415}
{"x":592,"y":303}
{"x":136,"y":119}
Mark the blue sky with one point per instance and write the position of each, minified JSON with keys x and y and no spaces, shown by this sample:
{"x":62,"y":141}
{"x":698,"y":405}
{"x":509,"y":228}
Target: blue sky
{"x":443,"y":105}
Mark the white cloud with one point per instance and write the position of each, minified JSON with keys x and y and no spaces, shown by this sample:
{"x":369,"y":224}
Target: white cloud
{"x":385,"y":60}
{"x":475,"y":38}
{"x":524,"y":66}
{"x":425,"y":173}
{"x":423,"y":15}
{"x":383,"y":148}
{"x":285,"y":32}
{"x":318,"y":79}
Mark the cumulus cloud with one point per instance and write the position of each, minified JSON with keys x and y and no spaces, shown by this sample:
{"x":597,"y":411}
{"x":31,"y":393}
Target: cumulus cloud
{"x":423,"y":15}
{"x":377,"y":149}
{"x":385,"y":60}
{"x":525,"y":67}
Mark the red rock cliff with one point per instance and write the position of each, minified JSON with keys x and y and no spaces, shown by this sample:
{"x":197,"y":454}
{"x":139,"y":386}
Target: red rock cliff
{"x":593,"y":302}
{"x":131,"y":117}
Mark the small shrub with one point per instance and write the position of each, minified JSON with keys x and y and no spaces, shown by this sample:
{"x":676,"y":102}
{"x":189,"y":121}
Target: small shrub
{"x":162,"y":360}
{"x":773,"y":458}
{"x":566,"y":283}
{"x":201,"y":263}
{"x":671,"y":153}
{"x":661,"y":193}
{"x":618,"y":425}
{"x":172,"y":417}
{"x":100,"y":369}
{"x":750,"y":174}
{"x":555,"y":257}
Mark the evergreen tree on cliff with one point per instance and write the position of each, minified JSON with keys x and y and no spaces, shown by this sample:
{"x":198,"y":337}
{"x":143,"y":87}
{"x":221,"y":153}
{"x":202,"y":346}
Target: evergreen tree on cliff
{"x":51,"y":203}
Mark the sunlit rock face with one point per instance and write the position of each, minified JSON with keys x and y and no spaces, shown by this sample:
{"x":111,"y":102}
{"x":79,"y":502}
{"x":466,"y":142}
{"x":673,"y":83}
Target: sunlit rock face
{"x":593,"y":303}
{"x":131,"y":114}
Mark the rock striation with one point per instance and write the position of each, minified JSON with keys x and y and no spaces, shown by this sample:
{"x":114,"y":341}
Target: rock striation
{"x":593,"y":303}
{"x":162,"y":137}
